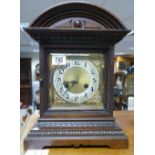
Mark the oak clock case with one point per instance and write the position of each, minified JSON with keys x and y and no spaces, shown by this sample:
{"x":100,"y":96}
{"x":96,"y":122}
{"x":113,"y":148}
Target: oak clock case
{"x":76,"y":81}
{"x":76,"y":42}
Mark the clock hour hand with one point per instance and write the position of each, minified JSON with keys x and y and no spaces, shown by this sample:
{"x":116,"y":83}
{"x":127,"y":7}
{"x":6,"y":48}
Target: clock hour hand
{"x":73,"y":82}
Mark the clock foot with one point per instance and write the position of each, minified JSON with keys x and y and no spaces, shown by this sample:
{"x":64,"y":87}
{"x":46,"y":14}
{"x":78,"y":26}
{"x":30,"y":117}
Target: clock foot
{"x":118,"y":142}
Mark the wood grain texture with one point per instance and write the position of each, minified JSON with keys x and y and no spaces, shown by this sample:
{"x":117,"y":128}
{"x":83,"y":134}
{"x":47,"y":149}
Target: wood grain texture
{"x":125,"y":120}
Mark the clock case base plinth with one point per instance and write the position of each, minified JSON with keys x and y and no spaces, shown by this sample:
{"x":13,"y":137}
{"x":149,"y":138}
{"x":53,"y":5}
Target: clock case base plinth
{"x":76,"y":134}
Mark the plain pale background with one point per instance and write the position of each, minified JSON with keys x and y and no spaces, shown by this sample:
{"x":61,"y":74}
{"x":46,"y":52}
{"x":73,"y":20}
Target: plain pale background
{"x":144,"y":77}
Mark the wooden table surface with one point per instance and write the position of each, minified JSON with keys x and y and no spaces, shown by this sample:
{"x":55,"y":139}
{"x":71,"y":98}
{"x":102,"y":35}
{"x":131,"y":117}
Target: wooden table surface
{"x":126,"y":121}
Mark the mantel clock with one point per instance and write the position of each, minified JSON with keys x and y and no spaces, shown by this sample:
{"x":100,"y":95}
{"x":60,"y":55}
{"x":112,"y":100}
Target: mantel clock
{"x":76,"y":77}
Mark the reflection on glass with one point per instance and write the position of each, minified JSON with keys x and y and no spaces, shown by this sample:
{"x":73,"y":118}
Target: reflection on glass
{"x":76,"y":81}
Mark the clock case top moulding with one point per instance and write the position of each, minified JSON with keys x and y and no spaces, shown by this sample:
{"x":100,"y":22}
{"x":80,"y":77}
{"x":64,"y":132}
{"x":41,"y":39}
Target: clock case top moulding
{"x":76,"y":27}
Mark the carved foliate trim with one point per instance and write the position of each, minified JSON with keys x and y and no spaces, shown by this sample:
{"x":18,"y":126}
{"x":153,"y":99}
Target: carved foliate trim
{"x":76,"y":124}
{"x":60,"y":133}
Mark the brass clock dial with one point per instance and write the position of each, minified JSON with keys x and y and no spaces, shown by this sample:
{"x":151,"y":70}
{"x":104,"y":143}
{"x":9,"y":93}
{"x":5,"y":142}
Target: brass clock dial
{"x":77,"y":81}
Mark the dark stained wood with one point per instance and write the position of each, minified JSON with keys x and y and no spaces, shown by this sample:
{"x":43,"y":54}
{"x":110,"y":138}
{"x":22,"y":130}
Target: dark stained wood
{"x":106,"y":141}
{"x":83,"y":114}
{"x":76,"y":133}
{"x":78,"y":28}
{"x":77,"y":9}
{"x":76,"y":37}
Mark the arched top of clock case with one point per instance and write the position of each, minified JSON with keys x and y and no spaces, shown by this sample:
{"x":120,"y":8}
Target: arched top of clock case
{"x":77,"y":15}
